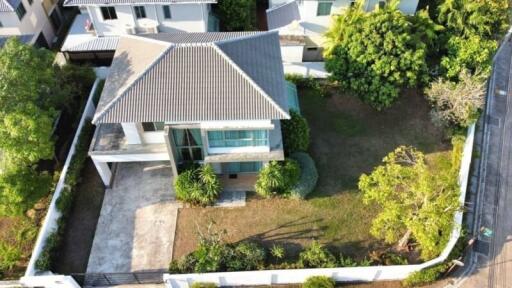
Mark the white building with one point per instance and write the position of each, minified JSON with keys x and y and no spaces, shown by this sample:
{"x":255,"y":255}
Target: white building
{"x":33,"y":21}
{"x":302,"y":23}
{"x":95,"y":32}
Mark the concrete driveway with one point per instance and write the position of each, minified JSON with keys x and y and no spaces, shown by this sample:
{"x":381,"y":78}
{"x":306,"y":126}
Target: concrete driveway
{"x":135,"y":231}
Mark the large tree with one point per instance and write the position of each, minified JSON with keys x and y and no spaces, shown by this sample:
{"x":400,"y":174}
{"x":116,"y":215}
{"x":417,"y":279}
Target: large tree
{"x":415,"y":201}
{"x":375,"y":54}
{"x":237,"y":15}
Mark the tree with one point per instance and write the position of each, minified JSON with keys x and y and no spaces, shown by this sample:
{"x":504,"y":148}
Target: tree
{"x":238,"y":15}
{"x":457,"y":103}
{"x":295,"y":133}
{"x":375,"y":54}
{"x":414,"y":201}
{"x":198,"y":186}
{"x":277,"y":178}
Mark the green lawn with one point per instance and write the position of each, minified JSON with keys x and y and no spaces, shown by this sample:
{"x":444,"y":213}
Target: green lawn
{"x":348,"y":138}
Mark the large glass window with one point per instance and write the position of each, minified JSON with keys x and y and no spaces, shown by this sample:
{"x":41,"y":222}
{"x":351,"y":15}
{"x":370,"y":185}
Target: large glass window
{"x":153,"y":126}
{"x":188,"y":144}
{"x":140,"y":12}
{"x":238,"y":138}
{"x":167,"y":11}
{"x":21,"y":11}
{"x":108,"y":13}
{"x":324,"y":8}
{"x":243,"y":167}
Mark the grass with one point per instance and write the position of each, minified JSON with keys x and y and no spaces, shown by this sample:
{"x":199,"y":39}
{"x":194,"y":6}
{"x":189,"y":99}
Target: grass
{"x":348,"y":138}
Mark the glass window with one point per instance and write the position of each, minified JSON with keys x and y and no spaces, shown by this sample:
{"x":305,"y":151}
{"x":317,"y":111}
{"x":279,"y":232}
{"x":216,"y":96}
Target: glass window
{"x":324,"y":8}
{"x":188,"y":144}
{"x":108,"y":13}
{"x":153,"y":126}
{"x":21,"y":11}
{"x":238,"y":138}
{"x":1,"y":25}
{"x":243,"y":167}
{"x":167,"y":11}
{"x":140,"y":12}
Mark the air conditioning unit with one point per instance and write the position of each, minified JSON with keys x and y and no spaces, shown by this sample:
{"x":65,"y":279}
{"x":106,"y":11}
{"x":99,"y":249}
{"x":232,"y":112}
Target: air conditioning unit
{"x":150,"y":28}
{"x":130,"y":29}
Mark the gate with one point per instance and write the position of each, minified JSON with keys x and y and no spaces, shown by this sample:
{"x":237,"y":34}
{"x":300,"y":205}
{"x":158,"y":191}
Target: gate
{"x":112,"y":279}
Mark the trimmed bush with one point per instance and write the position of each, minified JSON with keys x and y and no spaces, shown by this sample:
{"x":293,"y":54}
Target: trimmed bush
{"x":295,"y":133}
{"x":319,"y":282}
{"x":198,"y":186}
{"x":308,"y":175}
{"x":425,"y":276}
{"x":277,"y":178}
{"x":204,"y":285}
{"x":245,"y":256}
{"x":316,"y":256}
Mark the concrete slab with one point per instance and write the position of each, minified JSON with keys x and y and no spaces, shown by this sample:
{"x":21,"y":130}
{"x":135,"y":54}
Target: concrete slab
{"x":135,"y":231}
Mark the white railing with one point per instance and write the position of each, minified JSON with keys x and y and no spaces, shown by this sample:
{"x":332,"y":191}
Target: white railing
{"x":343,"y":274}
{"x":50,"y":222}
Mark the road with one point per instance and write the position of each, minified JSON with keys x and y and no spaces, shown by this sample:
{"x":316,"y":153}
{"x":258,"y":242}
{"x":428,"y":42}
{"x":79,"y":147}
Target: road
{"x":491,"y":260}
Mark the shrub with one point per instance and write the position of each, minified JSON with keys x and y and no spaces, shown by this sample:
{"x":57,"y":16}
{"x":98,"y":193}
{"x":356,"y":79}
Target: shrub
{"x":237,"y":15}
{"x":319,"y":282}
{"x":425,"y":276}
{"x":316,"y":256}
{"x":277,"y":178}
{"x":308,"y":175}
{"x":9,"y":256}
{"x":45,"y":260}
{"x":245,"y":256}
{"x":209,"y":255}
{"x":295,"y":133}
{"x":304,"y":82}
{"x":346,"y":261}
{"x":204,"y":285}
{"x":198,"y":186}
{"x":277,"y":251}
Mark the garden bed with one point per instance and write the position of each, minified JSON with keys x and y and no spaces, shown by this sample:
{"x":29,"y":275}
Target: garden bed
{"x":348,"y":138}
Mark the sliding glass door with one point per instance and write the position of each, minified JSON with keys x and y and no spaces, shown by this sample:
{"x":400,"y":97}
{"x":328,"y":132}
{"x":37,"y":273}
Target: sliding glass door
{"x":189,"y":145}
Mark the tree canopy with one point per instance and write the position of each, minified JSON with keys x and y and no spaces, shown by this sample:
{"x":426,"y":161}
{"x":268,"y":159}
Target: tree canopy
{"x":415,"y":201}
{"x":238,"y":15}
{"x":375,"y":54}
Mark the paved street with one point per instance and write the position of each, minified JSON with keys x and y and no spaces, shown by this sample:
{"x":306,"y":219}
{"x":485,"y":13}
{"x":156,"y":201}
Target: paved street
{"x":491,"y":262}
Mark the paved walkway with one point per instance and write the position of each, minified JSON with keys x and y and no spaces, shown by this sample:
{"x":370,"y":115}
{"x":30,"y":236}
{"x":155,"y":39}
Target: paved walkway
{"x":136,"y":228}
{"x":491,"y":261}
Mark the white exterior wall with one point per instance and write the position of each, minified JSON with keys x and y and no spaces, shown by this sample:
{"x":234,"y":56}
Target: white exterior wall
{"x":34,"y":22}
{"x":292,"y":53}
{"x":184,"y":18}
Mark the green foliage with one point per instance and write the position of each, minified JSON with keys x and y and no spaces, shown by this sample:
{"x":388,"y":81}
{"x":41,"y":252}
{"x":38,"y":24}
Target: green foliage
{"x":319,"y":282}
{"x":308,"y":176}
{"x":198,"y":186}
{"x":16,"y":243}
{"x":425,"y":276}
{"x":21,"y":187}
{"x":277,"y":251}
{"x":209,"y":255}
{"x":375,"y":54}
{"x":245,"y":256}
{"x":47,"y":257}
{"x":278,"y":178}
{"x":9,"y":256}
{"x":306,"y":82}
{"x":346,"y":261}
{"x":317,"y":256}
{"x":457,"y":104}
{"x":237,"y":15}
{"x":204,"y":285}
{"x":414,"y":201}
{"x":295,"y":133}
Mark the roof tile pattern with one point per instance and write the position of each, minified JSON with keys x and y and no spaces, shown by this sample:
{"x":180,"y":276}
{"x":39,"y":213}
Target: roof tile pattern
{"x":114,"y":2}
{"x":283,"y":15}
{"x":9,"y":5}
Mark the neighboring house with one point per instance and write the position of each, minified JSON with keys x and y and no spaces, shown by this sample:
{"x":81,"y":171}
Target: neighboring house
{"x":302,"y":23}
{"x":193,"y":97}
{"x":33,"y":21}
{"x":95,"y":32}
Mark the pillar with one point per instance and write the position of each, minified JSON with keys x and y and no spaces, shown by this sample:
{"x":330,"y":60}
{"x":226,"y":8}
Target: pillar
{"x":103,"y":171}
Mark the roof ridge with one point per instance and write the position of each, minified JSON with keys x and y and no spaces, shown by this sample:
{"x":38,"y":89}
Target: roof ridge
{"x":139,"y":77}
{"x":250,"y":80}
{"x":250,"y":35}
{"x":8,"y":4}
{"x":280,"y":6}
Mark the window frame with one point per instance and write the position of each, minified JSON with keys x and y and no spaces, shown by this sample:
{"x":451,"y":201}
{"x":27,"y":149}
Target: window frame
{"x":21,"y":12}
{"x":140,"y":12}
{"x":227,"y":137}
{"x":153,"y":126}
{"x":319,"y":9}
{"x":166,"y":10}
{"x":109,"y":11}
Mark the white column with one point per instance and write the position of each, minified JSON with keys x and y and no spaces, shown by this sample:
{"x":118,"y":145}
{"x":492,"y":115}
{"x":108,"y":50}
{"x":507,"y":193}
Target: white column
{"x":104,"y":171}
{"x":132,"y":132}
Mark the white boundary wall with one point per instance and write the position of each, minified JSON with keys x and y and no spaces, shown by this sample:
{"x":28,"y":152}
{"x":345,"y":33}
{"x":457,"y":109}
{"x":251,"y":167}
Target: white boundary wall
{"x":50,"y":222}
{"x":344,"y":274}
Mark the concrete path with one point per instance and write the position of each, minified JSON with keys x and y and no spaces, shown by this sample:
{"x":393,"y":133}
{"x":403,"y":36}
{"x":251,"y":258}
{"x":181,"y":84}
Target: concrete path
{"x":136,"y":227}
{"x":491,"y":261}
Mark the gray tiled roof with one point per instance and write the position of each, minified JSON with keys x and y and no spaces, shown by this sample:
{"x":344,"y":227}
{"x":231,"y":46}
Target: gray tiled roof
{"x":183,"y":37}
{"x":9,"y":5}
{"x":283,"y":15}
{"x":107,"y":43}
{"x":231,"y":79}
{"x":114,"y":2}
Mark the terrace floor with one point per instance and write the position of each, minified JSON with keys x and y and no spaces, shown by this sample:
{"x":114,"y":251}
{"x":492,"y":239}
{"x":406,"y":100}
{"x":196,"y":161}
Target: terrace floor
{"x":136,"y":227}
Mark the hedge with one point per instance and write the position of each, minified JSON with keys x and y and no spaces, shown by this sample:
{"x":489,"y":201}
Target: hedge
{"x":308,"y":175}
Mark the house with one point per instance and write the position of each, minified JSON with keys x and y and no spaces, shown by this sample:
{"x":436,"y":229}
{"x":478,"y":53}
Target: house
{"x":212,"y":97}
{"x":302,"y":23}
{"x":32,"y":21}
{"x":95,"y":32}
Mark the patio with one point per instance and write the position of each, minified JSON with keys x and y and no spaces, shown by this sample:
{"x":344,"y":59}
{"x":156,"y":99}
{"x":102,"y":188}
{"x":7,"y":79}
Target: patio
{"x":135,"y":231}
